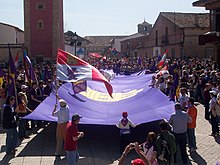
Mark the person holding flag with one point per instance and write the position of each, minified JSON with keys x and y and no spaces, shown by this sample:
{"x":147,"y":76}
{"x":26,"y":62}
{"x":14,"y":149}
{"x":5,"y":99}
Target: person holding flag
{"x":63,"y":118}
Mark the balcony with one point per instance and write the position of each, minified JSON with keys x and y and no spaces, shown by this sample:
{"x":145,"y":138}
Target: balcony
{"x":164,"y":40}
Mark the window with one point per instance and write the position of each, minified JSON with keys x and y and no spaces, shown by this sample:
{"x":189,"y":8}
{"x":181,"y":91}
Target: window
{"x":166,"y":33}
{"x":145,"y":28}
{"x":40,"y":6}
{"x":156,"y":37}
{"x":209,"y":52}
{"x":40,"y":24}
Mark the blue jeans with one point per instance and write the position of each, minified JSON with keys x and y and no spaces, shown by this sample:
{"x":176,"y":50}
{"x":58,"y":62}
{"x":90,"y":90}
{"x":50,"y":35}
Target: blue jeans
{"x":11,"y":139}
{"x":191,"y":137}
{"x":72,"y":157}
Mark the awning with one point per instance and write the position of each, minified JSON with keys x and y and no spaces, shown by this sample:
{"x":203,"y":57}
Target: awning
{"x":210,"y":37}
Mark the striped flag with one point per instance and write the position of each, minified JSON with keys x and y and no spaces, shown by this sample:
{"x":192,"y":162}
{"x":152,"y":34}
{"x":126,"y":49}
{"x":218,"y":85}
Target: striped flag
{"x":16,"y":59}
{"x":29,"y":72}
{"x":162,"y":60}
{"x":79,"y":69}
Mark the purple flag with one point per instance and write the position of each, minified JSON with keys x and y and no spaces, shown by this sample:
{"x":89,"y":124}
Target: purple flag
{"x":131,"y":94}
{"x":11,"y":87}
{"x":12,"y":69}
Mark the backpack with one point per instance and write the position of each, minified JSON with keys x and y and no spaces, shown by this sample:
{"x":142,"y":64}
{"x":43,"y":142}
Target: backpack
{"x":165,"y":152}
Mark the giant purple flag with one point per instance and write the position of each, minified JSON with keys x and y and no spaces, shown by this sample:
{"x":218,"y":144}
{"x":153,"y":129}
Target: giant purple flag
{"x":131,"y":94}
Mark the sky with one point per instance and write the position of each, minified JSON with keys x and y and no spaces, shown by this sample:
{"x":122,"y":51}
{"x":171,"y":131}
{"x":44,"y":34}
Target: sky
{"x":103,"y":17}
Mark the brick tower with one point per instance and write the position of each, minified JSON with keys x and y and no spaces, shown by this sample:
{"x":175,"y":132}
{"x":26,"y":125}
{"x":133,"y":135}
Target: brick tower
{"x":43,"y":28}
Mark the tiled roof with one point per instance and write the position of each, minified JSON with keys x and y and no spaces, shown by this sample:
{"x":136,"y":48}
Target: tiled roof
{"x":102,"y":40}
{"x":202,"y":3}
{"x":188,"y":19}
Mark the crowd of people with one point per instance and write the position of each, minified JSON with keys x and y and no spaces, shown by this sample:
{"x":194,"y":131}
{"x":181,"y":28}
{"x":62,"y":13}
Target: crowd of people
{"x":184,"y":82}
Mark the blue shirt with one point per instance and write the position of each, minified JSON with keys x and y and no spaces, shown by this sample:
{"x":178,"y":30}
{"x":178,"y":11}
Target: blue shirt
{"x":179,"y":121}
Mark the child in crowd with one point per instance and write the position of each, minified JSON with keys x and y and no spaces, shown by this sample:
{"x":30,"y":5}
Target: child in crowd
{"x":125,"y":132}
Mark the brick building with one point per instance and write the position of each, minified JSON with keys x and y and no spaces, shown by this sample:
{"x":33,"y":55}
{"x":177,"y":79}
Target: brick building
{"x":177,"y":32}
{"x":213,"y":36}
{"x":44,"y":32}
{"x":101,"y":44}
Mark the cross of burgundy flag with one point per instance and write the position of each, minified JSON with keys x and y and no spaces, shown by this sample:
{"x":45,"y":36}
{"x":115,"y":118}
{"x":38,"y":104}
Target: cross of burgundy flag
{"x":72,"y":69}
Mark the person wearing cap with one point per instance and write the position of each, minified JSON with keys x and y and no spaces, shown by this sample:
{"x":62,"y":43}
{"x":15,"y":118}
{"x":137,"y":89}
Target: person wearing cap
{"x":125,"y":132}
{"x":214,"y":110}
{"x":72,"y":137}
{"x":63,"y":118}
{"x":138,"y":161}
{"x":179,"y":121}
{"x":24,"y":87}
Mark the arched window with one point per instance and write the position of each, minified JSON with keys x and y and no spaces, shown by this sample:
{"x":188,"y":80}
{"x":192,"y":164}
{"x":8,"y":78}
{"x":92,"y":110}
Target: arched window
{"x":40,"y":6}
{"x":40,"y":24}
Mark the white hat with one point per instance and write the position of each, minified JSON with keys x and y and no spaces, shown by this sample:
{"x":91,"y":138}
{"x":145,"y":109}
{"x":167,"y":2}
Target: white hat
{"x":213,"y":92}
{"x":24,"y":87}
{"x":62,"y":103}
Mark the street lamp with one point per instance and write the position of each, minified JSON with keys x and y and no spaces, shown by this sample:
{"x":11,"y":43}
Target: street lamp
{"x":74,"y":40}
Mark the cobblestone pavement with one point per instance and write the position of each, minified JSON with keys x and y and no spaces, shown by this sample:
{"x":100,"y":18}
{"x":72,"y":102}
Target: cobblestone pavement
{"x":100,"y":145}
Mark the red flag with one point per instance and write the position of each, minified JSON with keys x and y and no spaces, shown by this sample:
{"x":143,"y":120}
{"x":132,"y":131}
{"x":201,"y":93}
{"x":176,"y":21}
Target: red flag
{"x":162,"y":61}
{"x":16,"y":59}
{"x":95,"y":55}
{"x":163,"y":70}
{"x":71,"y":69}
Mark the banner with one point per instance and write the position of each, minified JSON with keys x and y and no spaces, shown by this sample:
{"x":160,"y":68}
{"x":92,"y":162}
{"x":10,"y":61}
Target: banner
{"x":131,"y":94}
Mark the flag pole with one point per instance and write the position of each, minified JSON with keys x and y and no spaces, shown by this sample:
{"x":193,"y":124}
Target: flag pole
{"x":16,"y":97}
{"x":56,"y":85}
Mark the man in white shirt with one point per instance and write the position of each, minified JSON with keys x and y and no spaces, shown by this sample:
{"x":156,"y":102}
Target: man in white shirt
{"x":63,"y":118}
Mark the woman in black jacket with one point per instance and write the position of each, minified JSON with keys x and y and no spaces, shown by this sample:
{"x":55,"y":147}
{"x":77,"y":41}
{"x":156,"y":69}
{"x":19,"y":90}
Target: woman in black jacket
{"x":10,"y":125}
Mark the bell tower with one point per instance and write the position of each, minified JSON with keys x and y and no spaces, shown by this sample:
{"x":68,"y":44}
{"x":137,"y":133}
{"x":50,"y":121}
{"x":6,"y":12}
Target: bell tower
{"x":43,"y":28}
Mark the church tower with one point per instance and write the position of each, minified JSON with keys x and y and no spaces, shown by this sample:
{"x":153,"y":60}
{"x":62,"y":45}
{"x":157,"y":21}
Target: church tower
{"x":43,"y":28}
{"x":144,"y":27}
